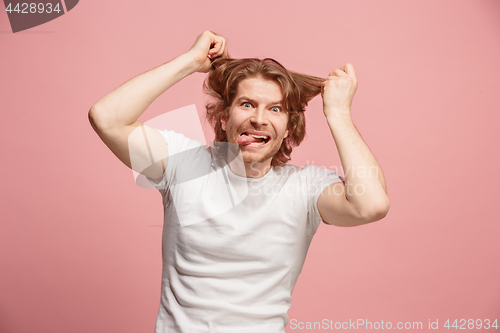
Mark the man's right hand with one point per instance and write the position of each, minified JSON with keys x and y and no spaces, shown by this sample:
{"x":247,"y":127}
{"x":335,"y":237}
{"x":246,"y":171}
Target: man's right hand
{"x":207,"y":47}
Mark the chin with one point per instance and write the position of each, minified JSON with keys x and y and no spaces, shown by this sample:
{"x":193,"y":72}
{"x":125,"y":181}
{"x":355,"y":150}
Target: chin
{"x":250,"y":156}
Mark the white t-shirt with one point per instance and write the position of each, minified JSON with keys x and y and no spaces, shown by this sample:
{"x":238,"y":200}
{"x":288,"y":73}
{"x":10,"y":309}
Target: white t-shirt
{"x":233,"y":247}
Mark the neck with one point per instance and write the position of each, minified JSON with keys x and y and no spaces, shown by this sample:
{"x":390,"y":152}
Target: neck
{"x":241,"y":168}
{"x":250,"y":170}
{"x":257,"y":170}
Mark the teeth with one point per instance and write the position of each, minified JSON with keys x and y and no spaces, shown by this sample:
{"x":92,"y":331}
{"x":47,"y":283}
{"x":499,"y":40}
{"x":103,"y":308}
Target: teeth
{"x":259,"y":136}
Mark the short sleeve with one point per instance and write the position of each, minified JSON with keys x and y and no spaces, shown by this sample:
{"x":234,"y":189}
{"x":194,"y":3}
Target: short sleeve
{"x":317,"y":180}
{"x":176,"y":143}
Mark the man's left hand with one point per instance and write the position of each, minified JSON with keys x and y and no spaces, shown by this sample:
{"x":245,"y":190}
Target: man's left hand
{"x":338,"y":91}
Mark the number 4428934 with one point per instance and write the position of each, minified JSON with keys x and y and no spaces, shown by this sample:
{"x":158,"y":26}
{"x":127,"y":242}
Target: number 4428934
{"x":462,"y":324}
{"x":32,"y":8}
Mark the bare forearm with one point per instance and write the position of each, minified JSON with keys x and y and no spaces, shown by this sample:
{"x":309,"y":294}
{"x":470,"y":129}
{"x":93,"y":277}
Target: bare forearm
{"x":125,"y":104}
{"x":365,"y":183}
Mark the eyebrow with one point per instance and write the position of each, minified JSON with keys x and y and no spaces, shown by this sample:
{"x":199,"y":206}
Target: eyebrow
{"x":253,"y":101}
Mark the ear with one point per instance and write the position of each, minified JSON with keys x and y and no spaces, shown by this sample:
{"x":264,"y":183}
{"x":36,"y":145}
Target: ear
{"x":288,"y":127}
{"x":223,"y":123}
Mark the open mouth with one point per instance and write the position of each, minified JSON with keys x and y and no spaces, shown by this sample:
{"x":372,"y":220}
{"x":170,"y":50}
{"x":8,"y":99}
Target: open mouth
{"x":253,"y":139}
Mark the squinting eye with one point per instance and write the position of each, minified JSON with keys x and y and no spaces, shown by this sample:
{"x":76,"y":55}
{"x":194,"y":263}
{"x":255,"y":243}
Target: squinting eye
{"x":276,"y":109}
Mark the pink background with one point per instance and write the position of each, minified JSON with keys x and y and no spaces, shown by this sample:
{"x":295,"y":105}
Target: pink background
{"x":80,"y":242}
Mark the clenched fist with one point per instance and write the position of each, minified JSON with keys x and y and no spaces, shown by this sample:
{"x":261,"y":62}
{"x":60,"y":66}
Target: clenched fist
{"x":338,"y":91}
{"x":207,"y":47}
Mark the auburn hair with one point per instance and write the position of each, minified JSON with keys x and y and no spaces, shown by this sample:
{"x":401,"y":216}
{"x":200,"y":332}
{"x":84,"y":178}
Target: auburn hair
{"x":298,"y":89}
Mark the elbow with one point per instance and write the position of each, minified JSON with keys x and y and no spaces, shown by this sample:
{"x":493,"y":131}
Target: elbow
{"x":92,"y":116}
{"x":376,"y":212}
{"x":381,"y":212}
{"x":96,"y":119}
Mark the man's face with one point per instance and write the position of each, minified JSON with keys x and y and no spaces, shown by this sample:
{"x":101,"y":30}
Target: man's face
{"x":257,"y":120}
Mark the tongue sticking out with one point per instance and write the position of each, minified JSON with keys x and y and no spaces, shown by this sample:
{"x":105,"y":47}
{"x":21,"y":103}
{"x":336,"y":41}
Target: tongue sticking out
{"x":247,"y":139}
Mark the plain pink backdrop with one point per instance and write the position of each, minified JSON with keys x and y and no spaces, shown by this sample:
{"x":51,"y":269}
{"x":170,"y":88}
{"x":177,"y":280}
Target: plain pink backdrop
{"x":80,"y":242}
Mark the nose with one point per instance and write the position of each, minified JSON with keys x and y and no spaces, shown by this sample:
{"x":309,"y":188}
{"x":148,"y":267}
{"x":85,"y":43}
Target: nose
{"x":259,"y":117}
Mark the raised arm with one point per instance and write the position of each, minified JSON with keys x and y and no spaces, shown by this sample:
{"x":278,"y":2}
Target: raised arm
{"x":114,"y":117}
{"x":363,"y":197}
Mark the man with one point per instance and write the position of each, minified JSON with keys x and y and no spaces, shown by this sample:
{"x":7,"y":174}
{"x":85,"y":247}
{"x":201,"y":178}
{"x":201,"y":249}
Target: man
{"x":238,"y":222}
